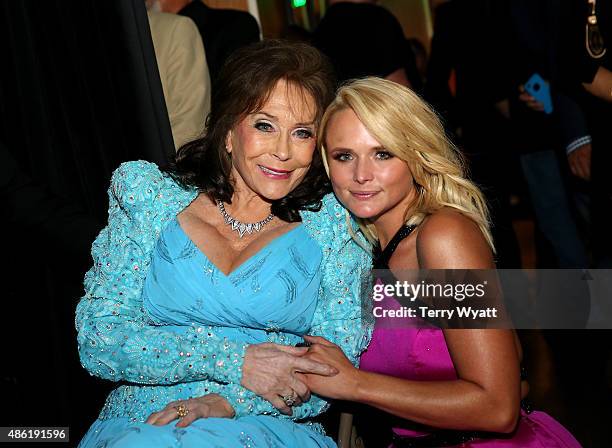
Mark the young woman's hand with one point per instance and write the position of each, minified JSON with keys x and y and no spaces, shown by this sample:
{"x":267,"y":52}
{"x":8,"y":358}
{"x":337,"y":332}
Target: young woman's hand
{"x":341,"y":386}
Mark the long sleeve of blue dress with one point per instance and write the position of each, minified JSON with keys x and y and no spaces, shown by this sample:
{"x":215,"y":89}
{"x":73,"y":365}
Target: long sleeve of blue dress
{"x":116,"y":338}
{"x":116,"y":341}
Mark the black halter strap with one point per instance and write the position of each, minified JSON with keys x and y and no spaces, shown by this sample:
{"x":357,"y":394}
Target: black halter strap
{"x":382,"y":257}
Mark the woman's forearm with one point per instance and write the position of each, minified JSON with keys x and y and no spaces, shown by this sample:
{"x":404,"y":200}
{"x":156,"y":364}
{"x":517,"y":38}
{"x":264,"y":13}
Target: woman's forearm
{"x":601,"y":85}
{"x":456,"y":404}
{"x":123,"y":348}
{"x":116,"y":338}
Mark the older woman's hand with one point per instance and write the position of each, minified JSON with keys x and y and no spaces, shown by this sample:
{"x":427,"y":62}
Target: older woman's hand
{"x":188,"y":411}
{"x":270,"y":371}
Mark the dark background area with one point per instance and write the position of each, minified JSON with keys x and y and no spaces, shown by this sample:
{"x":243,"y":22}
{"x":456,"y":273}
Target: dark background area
{"x":79,"y":94}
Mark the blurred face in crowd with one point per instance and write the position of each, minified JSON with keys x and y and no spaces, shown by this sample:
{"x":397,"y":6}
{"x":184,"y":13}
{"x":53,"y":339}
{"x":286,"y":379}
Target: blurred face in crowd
{"x":272,"y":149}
{"x":367,"y":178}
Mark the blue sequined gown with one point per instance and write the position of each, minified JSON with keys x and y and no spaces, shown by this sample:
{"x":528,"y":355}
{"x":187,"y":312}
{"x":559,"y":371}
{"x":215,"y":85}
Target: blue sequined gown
{"x":164,"y":321}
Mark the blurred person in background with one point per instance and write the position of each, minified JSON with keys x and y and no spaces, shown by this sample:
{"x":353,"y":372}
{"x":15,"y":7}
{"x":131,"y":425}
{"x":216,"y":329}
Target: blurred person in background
{"x":587,"y":66}
{"x":183,"y":70}
{"x":465,"y":49}
{"x":541,"y":138}
{"x":222,"y":30}
{"x":421,"y":58}
{"x":362,"y":38}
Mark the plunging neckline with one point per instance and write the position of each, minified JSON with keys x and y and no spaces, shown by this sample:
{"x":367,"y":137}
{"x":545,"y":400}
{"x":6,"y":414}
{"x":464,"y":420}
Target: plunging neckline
{"x":247,"y":261}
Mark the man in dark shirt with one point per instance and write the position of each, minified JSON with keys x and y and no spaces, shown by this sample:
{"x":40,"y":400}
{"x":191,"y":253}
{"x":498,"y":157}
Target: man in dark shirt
{"x":587,"y":76}
{"x":222,"y":30}
{"x":543,"y":139}
{"x":465,"y":47}
{"x":364,"y":39}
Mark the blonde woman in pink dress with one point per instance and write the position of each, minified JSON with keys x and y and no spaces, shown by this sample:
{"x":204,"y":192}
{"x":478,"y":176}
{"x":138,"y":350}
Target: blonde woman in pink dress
{"x":393,"y":168}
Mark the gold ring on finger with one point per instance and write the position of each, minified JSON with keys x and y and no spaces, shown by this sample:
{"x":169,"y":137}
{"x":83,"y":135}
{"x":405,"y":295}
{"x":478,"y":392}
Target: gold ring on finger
{"x":181,"y":410}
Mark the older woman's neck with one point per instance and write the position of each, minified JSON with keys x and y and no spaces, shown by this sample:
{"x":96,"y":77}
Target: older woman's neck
{"x":248,"y":206}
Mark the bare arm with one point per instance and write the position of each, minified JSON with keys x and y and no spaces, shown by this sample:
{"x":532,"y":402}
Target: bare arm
{"x":486,"y":394}
{"x":601,"y":85}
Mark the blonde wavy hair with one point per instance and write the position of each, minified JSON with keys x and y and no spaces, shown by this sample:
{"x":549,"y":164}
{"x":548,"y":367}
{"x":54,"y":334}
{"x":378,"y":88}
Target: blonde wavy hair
{"x":408,"y":128}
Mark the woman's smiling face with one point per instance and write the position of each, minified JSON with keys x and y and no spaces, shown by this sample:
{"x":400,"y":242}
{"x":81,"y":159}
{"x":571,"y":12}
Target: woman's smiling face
{"x":272,"y":149}
{"x":367,"y":178}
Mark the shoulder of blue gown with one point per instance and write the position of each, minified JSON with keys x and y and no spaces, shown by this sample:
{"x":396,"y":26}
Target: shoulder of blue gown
{"x":330,"y":225}
{"x":140,"y":187}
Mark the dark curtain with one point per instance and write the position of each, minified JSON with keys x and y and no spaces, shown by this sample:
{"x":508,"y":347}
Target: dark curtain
{"x":79,"y":94}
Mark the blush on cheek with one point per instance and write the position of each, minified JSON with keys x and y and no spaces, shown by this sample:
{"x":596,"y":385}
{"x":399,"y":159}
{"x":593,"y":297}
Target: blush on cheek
{"x":306,"y":160}
{"x":341,"y":179}
{"x":244,"y":134}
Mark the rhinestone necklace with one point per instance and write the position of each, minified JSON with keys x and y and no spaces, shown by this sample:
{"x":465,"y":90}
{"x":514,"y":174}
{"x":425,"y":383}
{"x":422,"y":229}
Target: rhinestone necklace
{"x":242,"y":227}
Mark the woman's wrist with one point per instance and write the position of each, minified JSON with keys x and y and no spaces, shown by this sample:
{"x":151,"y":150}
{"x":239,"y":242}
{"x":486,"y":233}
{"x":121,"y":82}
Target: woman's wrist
{"x":357,"y":389}
{"x":227,"y":406}
{"x":241,"y":400}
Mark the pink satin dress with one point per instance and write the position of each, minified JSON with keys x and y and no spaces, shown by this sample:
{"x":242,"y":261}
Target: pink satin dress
{"x":421,"y":354}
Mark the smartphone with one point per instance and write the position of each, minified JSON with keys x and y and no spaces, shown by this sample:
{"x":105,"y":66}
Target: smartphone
{"x":540,"y":90}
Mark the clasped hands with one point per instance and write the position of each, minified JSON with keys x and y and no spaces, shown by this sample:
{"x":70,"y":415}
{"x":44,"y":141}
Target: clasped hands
{"x":274,"y":372}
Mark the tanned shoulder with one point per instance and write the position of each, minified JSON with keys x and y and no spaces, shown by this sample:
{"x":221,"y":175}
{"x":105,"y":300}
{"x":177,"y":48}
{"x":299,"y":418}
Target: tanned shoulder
{"x":447,"y":239}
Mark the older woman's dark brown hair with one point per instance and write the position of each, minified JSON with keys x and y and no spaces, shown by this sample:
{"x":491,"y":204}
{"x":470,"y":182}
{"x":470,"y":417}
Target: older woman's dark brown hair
{"x":243,"y":86}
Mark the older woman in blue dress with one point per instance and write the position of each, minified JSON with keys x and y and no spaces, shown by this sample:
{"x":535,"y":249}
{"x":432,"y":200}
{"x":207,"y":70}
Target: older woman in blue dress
{"x":207,"y":275}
